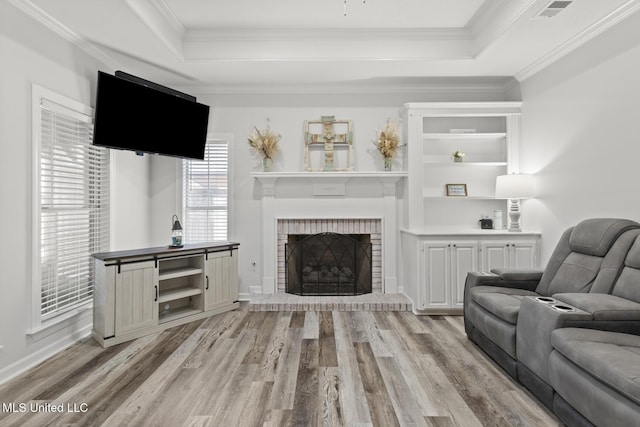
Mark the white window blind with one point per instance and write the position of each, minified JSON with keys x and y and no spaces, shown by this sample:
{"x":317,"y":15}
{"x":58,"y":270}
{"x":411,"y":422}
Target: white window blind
{"x":74,"y":206}
{"x":205,"y":194}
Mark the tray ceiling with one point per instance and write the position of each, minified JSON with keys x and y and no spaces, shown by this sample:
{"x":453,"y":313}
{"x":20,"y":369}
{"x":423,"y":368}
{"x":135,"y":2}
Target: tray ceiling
{"x":287,"y":43}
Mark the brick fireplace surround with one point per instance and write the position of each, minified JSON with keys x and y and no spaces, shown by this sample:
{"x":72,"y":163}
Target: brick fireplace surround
{"x":340,"y":202}
{"x":373,"y":227}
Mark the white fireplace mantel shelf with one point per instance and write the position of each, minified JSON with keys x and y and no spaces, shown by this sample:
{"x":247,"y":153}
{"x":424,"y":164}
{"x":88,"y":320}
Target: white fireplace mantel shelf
{"x":328,"y":183}
{"x":296,"y":176}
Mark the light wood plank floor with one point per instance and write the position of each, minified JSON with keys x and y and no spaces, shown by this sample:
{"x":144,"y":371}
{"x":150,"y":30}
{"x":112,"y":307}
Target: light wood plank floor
{"x":253,"y":368}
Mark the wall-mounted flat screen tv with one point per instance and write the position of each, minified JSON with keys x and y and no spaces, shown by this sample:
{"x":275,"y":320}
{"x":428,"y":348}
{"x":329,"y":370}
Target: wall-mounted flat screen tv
{"x":134,"y":114}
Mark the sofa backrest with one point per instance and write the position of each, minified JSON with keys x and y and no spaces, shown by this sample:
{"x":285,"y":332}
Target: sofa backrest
{"x":628,"y":283}
{"x":589,"y":257}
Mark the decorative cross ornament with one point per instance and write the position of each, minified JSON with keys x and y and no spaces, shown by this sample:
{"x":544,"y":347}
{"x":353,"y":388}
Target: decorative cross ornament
{"x":328,"y":140}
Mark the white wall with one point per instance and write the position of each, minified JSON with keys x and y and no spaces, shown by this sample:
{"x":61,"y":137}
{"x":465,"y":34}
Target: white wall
{"x":581,"y":135}
{"x":130,"y":200}
{"x":30,"y":53}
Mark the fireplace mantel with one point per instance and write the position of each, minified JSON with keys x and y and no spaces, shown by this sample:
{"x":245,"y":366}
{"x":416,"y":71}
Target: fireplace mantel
{"x":329,"y":195}
{"x":327,"y":183}
{"x":383,"y":176}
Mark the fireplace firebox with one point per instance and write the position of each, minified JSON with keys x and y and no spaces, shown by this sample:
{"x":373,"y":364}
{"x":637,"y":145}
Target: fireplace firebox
{"x":328,"y":264}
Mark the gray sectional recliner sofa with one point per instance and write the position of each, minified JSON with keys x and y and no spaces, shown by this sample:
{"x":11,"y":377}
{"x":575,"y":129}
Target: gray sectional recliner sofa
{"x":570,"y":334}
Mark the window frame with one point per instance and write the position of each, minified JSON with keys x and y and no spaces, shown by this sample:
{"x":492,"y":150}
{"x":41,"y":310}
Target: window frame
{"x":221,"y":138}
{"x":37,"y":326}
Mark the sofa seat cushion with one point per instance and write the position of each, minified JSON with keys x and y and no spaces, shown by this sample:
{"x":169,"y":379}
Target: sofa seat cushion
{"x":602,"y":306}
{"x":612,"y":358}
{"x":504,"y":303}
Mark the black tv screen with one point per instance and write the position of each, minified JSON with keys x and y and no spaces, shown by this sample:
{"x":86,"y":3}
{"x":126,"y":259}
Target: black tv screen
{"x":134,"y":116}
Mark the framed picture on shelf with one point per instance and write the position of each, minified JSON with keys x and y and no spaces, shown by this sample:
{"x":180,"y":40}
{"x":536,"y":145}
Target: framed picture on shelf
{"x":456,"y":189}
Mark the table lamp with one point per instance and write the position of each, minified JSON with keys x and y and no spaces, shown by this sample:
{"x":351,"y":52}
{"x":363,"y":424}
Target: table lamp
{"x":515,"y":186}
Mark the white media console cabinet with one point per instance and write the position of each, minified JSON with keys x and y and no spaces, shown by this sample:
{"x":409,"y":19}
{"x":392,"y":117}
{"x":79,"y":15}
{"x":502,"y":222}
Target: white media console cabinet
{"x":141,"y":291}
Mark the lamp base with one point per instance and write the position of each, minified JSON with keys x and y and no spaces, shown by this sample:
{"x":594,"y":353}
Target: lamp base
{"x":514,"y":216}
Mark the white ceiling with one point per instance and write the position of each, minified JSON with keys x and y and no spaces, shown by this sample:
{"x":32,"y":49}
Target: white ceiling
{"x":275,"y":44}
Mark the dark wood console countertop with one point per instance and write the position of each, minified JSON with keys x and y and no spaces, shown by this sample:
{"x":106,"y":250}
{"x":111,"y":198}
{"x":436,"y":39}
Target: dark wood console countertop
{"x":163,"y":251}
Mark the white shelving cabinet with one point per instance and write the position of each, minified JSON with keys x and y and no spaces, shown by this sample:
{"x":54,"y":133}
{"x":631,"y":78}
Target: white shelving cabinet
{"x":142,"y":291}
{"x":441,"y":239}
{"x":488,"y":132}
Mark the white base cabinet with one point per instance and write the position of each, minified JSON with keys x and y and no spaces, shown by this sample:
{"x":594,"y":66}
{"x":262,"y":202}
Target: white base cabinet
{"x":511,"y":253}
{"x":142,"y":291}
{"x":437,"y":264}
{"x":444,"y":268}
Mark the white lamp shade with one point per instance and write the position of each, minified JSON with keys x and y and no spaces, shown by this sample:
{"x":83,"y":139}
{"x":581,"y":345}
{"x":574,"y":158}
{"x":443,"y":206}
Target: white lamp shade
{"x":514,"y":186}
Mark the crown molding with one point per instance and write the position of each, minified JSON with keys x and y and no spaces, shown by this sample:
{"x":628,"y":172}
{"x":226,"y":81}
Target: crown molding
{"x":488,"y":28}
{"x":440,"y":86}
{"x":54,"y":25}
{"x":597,"y":28}
{"x":306,"y":34}
{"x":162,"y":22}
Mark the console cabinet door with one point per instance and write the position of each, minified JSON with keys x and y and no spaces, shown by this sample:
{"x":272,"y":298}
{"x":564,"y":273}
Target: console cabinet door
{"x":221,"y":279}
{"x":136,"y":295}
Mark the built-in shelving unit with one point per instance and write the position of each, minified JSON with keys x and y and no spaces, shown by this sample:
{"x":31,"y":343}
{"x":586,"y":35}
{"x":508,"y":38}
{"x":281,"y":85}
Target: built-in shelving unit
{"x":488,"y":134}
{"x":441,"y":237}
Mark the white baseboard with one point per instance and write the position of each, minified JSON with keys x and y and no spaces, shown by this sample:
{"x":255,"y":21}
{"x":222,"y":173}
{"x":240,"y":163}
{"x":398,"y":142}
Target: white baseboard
{"x":42,"y":354}
{"x":244,"y":296}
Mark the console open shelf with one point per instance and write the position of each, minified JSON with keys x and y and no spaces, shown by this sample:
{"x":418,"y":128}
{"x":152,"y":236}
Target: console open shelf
{"x":175,"y":294}
{"x":178,"y":313}
{"x":179,"y":272}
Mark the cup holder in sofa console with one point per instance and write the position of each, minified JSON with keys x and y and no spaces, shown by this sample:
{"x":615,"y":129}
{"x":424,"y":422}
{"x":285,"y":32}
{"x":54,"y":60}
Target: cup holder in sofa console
{"x":545,"y":300}
{"x":563,"y":308}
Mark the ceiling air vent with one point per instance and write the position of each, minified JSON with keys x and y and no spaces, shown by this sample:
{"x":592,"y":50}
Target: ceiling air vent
{"x":554,"y":8}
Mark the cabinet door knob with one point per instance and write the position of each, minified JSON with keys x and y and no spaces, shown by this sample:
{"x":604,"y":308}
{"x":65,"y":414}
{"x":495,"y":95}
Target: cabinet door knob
{"x":207,"y":280}
{"x":454,"y":245}
{"x":156,"y":293}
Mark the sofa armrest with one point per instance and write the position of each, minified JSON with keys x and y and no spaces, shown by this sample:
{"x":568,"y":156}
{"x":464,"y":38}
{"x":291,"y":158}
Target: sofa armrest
{"x":537,"y":319}
{"x":518,"y":275}
{"x":603,"y":307}
{"x":511,"y":280}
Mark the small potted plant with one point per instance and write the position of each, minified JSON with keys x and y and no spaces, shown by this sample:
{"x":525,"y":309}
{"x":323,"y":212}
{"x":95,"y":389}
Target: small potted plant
{"x":458,"y":156}
{"x":264,"y":143}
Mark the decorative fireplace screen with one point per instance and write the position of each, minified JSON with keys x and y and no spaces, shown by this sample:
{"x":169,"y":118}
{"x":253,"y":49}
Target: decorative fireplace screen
{"x":328,"y":264}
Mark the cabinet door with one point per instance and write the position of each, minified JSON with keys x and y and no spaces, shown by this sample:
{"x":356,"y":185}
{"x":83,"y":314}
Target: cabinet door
{"x":523,"y":254}
{"x":435,"y":275}
{"x":464,"y":259}
{"x":136,"y":295}
{"x":221,"y":280}
{"x":494,"y":255}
